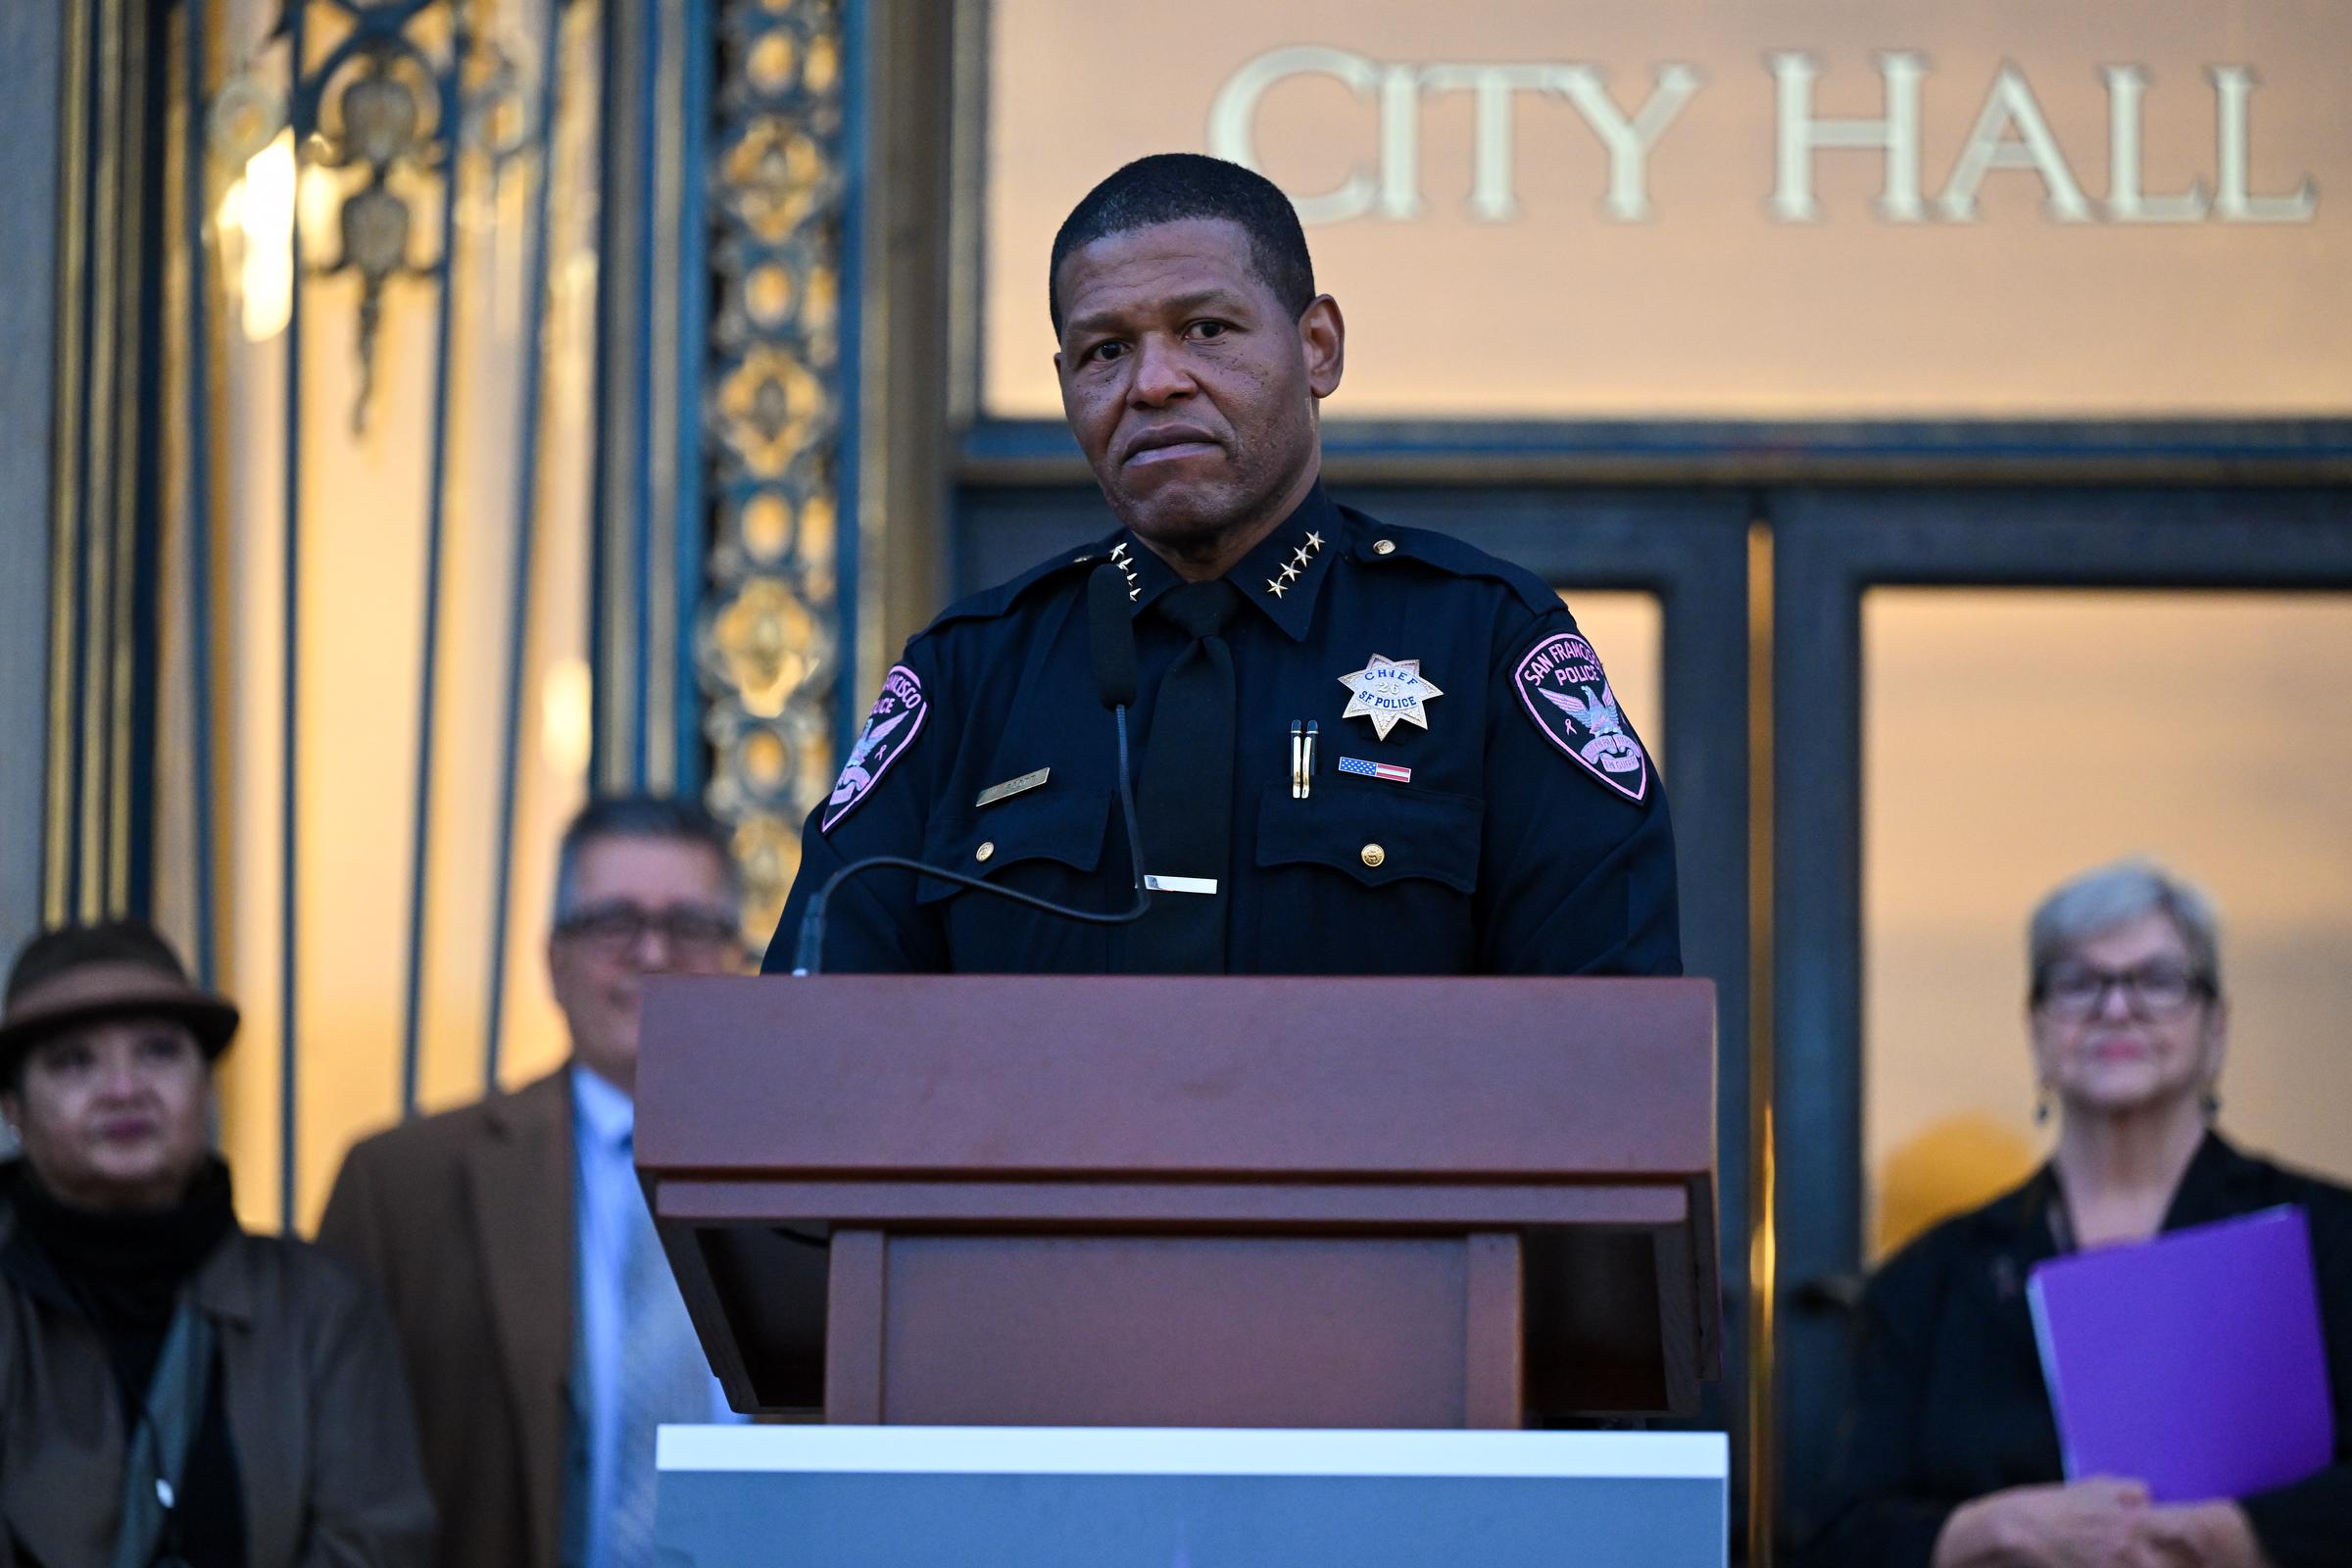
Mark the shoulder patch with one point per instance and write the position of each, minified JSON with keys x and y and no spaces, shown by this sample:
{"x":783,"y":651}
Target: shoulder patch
{"x":890,"y":732}
{"x":1447,"y":554}
{"x":991,"y":603}
{"x":1566,"y":693}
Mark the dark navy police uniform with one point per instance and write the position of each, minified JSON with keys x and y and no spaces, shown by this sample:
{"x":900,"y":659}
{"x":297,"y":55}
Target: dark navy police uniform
{"x":1510,"y":822}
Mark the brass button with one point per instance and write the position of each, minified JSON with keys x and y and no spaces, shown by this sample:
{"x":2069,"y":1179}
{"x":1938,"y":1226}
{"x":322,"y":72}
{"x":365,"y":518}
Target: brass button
{"x":985,"y":851}
{"x":1374,"y":854}
{"x":1384,"y":547}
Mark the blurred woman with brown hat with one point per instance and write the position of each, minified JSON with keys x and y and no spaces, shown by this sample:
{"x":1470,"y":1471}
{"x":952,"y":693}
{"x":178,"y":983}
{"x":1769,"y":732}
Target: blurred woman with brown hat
{"x":172,"y":1390}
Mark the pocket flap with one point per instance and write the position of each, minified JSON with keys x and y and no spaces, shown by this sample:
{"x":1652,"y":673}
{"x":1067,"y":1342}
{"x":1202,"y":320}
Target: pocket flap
{"x":1376,"y":833}
{"x":1046,"y":825}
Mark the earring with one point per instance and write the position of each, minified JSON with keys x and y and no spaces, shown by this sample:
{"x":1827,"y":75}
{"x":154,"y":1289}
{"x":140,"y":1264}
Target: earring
{"x":2041,"y":1106}
{"x":2210,"y":1103}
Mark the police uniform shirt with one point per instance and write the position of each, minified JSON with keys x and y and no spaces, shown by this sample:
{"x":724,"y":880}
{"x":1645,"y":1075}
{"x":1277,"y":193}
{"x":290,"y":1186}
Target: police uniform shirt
{"x":1509,"y":822}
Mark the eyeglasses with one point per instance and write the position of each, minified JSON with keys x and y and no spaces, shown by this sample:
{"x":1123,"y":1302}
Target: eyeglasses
{"x":2161,"y":989}
{"x":617,"y":929}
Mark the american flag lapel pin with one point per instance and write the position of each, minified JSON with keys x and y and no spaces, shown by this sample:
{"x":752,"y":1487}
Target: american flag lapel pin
{"x":1389,"y":771}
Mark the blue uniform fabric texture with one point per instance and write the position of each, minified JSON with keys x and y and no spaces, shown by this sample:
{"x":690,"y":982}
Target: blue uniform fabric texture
{"x":1503,"y":854}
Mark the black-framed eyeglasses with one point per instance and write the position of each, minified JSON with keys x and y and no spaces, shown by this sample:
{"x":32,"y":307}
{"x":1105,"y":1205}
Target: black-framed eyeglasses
{"x":689,"y":932}
{"x":2157,"y":989}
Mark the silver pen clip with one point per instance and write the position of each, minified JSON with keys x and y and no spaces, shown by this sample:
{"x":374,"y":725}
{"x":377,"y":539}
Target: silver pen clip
{"x":1298,"y":762}
{"x":1306,"y":771}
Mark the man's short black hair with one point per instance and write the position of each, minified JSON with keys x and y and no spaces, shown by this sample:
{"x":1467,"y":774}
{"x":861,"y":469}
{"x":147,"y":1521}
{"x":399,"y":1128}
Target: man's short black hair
{"x":637,"y":816}
{"x":1169,"y":187}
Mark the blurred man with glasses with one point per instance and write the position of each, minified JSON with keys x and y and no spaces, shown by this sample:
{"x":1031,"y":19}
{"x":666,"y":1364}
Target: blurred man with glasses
{"x":543,"y":1330}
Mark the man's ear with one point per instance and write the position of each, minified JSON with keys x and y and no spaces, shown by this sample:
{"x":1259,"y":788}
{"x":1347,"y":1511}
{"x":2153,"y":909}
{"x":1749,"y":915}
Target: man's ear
{"x":1323,"y":335}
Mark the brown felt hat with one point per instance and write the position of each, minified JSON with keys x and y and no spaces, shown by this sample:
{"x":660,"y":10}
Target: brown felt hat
{"x":78,"y":974}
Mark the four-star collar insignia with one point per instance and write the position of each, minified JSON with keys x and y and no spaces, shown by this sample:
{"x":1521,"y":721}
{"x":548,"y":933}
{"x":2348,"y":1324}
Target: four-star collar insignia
{"x":1387,"y":691}
{"x":1288,"y":573}
{"x":1281,"y":575}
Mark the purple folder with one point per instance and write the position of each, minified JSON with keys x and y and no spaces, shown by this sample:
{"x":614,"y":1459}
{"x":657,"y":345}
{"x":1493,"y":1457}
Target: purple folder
{"x":2193,"y":1362}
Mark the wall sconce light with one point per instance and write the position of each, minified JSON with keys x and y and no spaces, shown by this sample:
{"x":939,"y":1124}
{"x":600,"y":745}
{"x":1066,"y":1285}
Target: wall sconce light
{"x":256,"y":224}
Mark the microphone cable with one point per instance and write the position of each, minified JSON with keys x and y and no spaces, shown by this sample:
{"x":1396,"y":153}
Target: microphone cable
{"x":1111,"y":635}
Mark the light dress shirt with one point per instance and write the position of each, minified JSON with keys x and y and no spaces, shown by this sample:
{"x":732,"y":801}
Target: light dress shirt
{"x":608,"y":1199}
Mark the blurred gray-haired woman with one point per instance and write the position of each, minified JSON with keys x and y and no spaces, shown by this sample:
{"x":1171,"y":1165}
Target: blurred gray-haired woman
{"x":1951,"y":1455}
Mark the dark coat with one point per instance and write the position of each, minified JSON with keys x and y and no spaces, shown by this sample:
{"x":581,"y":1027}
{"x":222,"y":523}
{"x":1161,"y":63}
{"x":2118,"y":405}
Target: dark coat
{"x":316,"y":1405}
{"x":1949,"y":1402}
{"x":465,"y":1221}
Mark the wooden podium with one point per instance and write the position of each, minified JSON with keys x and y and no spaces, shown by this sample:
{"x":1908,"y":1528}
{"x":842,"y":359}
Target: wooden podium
{"x":1168,"y":1202}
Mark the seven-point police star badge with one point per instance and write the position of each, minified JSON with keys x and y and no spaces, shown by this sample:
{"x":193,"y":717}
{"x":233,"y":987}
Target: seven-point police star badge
{"x":1387,"y":690}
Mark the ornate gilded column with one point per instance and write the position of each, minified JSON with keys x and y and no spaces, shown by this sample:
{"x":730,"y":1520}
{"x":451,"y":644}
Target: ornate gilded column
{"x":106,"y":480}
{"x":770,"y":644}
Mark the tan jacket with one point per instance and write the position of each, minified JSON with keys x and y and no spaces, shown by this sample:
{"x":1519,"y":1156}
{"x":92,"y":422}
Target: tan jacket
{"x":466,"y":1220}
{"x":317,"y":1416}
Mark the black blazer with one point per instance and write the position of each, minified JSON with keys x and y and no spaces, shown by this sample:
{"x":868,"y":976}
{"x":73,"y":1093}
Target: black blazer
{"x":1948,"y":1398}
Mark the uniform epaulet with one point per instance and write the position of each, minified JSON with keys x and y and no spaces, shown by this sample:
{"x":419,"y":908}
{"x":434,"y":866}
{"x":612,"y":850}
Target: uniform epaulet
{"x":1449,"y":554}
{"x":991,"y":603}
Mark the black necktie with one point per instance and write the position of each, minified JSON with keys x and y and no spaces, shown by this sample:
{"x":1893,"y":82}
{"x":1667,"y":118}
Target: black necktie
{"x":1184,"y":807}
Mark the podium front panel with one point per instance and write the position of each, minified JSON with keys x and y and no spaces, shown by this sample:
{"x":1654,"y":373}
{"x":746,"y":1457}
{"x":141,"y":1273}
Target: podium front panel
{"x":1429,"y":1202}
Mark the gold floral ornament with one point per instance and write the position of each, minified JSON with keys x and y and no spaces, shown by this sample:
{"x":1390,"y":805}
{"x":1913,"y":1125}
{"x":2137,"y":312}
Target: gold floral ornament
{"x":769,"y":643}
{"x":773,"y":528}
{"x":820,"y":72}
{"x":766,"y":772}
{"x":774,"y":62}
{"x":777,"y":296}
{"x":766,"y":761}
{"x":768,"y":846}
{"x":375,"y":123}
{"x":379,"y":117}
{"x":776,"y":177}
{"x":246,"y":116}
{"x":776,"y":764}
{"x":768,"y":406}
{"x":499,"y":117}
{"x":765,"y":526}
{"x":767,"y":295}
{"x":770,"y":648}
{"x":779,"y":62}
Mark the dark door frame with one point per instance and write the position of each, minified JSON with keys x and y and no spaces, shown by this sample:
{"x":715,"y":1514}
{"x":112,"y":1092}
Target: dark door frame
{"x":1831,"y":547}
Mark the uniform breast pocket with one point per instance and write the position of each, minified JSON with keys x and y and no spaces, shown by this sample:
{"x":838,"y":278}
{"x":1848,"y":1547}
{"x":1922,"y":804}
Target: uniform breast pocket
{"x":1384,"y":871}
{"x":1044,"y":844}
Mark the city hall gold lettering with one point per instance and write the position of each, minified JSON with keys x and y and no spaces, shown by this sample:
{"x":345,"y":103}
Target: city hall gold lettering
{"x":2010,"y":132}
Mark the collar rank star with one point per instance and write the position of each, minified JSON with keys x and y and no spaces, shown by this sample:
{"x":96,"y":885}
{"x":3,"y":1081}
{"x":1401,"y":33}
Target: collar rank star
{"x":1388,"y":690}
{"x":1282,"y":583}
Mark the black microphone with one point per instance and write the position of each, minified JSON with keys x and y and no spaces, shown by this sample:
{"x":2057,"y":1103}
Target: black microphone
{"x":1111,"y":646}
{"x":1110,"y":637}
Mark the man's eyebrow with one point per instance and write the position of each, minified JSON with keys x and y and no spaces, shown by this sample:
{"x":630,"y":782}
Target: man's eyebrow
{"x":1178,"y":305}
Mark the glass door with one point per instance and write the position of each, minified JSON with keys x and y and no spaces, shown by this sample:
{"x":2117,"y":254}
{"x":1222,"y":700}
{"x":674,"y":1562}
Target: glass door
{"x":1984,"y":692}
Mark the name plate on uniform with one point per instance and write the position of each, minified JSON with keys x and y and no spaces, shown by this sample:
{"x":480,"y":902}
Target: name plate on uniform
{"x":1011,"y":787}
{"x":1063,"y":1498}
